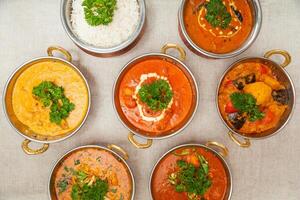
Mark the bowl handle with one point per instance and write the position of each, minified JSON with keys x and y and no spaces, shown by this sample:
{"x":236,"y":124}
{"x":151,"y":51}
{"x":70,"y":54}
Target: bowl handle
{"x":137,"y":144}
{"x":61,"y":50}
{"x":29,"y":151}
{"x":224,"y":151}
{"x":120,"y":149}
{"x":285,"y":54}
{"x":174,"y":46}
{"x":244,"y":144}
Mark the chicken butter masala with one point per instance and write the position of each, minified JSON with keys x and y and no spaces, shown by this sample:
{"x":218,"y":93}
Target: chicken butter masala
{"x":155,"y":96}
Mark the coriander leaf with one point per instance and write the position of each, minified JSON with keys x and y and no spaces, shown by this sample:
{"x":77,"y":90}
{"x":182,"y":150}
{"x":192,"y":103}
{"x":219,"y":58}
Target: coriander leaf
{"x":75,"y":193}
{"x":157,"y":95}
{"x":62,"y":185}
{"x":52,"y":95}
{"x":96,"y":191}
{"x":80,"y":175}
{"x":217,"y":14}
{"x":191,"y":179}
{"x":99,"y":12}
{"x":246,"y":103}
{"x":76,"y":162}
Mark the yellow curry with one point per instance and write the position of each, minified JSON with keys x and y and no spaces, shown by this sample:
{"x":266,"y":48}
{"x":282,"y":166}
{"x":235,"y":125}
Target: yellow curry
{"x":30,"y":110}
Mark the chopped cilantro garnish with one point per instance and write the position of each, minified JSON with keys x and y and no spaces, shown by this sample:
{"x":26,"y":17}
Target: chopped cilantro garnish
{"x":217,"y":14}
{"x":76,"y":162}
{"x":66,"y":169}
{"x":157,"y":95}
{"x":52,"y":95}
{"x":246,"y":103}
{"x":62,"y":185}
{"x":99,"y":12}
{"x":96,"y":191}
{"x":191,"y":179}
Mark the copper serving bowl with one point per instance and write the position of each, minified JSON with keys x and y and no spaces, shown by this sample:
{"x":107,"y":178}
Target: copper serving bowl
{"x":22,"y":129}
{"x":257,"y":22}
{"x":178,"y":62}
{"x":65,"y":12}
{"x":283,"y":76}
{"x":110,"y":148}
{"x":209,"y":146}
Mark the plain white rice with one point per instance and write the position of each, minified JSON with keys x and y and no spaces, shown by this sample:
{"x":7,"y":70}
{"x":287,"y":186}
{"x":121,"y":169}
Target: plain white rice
{"x":125,"y":21}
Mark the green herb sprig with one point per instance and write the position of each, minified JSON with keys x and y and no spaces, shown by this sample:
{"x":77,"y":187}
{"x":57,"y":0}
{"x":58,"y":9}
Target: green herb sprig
{"x":246,"y":103}
{"x":82,"y":189}
{"x":157,"y":95}
{"x":52,"y":95}
{"x":217,"y":14}
{"x":96,"y":191}
{"x":193,"y":180}
{"x":62,"y":185}
{"x":99,"y":12}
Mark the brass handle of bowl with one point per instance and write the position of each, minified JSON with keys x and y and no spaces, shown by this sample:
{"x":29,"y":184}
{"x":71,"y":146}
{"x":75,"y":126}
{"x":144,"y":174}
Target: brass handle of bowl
{"x":174,"y":46}
{"x":244,"y":144}
{"x":29,"y":151}
{"x":61,"y":50}
{"x":285,"y":54}
{"x":137,"y":144}
{"x":120,"y":149}
{"x":224,"y":151}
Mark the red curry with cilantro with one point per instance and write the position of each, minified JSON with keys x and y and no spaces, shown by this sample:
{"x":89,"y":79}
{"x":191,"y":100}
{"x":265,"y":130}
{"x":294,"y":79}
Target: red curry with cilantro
{"x":163,"y":183}
{"x":155,"y":96}
{"x":213,"y":35}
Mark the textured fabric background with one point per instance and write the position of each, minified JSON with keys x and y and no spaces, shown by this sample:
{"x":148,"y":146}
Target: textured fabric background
{"x":269,"y":170}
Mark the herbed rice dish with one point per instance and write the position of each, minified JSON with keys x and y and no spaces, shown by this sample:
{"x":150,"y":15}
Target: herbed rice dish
{"x":104,"y":23}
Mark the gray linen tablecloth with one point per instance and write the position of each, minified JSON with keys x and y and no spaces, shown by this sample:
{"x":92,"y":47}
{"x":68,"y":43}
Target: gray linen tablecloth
{"x":269,"y":170}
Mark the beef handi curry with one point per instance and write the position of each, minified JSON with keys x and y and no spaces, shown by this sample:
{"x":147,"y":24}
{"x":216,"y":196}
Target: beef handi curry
{"x":155,"y":96}
{"x":218,"y":26}
{"x":251,"y":98}
{"x":189,"y":173}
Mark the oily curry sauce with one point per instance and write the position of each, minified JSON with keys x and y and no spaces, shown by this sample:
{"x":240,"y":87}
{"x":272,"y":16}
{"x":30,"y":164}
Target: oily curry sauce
{"x":155,"y":123}
{"x":94,"y":162}
{"x":161,"y":188}
{"x":33,"y":114}
{"x":266,"y":83}
{"x":216,"y":39}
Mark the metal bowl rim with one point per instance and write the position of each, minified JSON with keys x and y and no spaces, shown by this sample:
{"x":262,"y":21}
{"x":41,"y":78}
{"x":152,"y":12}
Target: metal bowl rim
{"x":225,"y":164}
{"x":34,"y":60}
{"x":193,"y":79}
{"x":100,"y":50}
{"x":290,"y":82}
{"x":61,"y":158}
{"x":247,"y":43}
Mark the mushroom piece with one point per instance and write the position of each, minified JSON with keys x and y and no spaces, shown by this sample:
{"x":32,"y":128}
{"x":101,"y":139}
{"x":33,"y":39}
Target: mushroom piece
{"x":237,"y":120}
{"x":239,"y":83}
{"x":251,"y":78}
{"x":281,"y":96}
